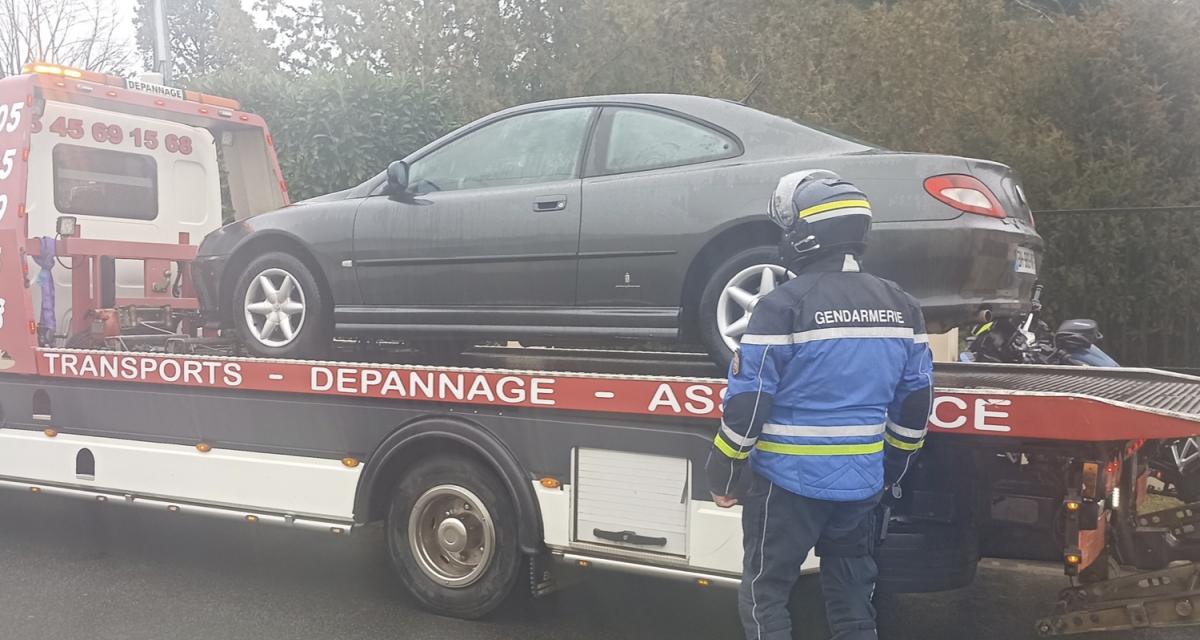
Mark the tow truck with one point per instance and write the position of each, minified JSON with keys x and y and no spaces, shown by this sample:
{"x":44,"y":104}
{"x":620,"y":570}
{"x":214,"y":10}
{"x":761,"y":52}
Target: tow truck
{"x":522,"y":466}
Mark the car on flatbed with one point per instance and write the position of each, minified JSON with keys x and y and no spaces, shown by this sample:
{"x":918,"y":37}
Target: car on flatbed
{"x":585,"y":219}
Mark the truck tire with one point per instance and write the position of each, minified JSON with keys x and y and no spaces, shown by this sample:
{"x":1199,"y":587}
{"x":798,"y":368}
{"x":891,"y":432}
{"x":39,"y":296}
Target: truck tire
{"x":452,"y":536}
{"x":927,"y":557}
{"x":718,"y":309}
{"x":278,"y":310}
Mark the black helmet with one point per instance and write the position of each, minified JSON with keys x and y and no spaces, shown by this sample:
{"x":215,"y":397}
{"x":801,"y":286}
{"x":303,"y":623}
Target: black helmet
{"x":820,"y":213}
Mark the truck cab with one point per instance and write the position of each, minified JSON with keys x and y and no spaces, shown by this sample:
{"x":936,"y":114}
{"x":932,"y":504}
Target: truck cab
{"x":122,"y":177}
{"x":110,"y":166}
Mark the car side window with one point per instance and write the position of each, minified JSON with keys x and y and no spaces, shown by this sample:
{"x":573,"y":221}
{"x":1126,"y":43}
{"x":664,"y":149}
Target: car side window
{"x":640,"y":139}
{"x":542,"y":146}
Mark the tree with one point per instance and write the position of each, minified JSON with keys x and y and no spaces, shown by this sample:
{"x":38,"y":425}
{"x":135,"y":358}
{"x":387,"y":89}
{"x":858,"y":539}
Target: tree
{"x":68,"y":32}
{"x":206,"y":36}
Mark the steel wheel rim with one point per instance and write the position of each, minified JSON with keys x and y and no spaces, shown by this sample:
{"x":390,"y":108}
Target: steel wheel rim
{"x":741,"y":295}
{"x":274,"y":307}
{"x":452,"y":536}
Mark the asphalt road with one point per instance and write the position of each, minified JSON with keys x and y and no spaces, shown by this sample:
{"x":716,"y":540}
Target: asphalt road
{"x":71,"y":570}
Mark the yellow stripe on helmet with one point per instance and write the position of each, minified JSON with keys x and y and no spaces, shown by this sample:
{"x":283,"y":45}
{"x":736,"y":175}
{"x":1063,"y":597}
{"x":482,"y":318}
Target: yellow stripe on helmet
{"x":831,"y":206}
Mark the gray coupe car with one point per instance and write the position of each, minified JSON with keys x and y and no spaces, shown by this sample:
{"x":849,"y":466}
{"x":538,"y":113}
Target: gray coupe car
{"x":585,"y":219}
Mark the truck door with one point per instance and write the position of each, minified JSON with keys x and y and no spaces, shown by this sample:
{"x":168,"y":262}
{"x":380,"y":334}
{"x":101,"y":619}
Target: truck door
{"x":493,"y":220}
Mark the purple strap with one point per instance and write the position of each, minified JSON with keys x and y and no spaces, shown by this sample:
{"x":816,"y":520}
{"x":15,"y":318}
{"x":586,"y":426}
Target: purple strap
{"x":46,"y":283}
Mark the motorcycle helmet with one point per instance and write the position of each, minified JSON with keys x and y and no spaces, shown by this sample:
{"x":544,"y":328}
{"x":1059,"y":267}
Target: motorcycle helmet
{"x":819,"y":213}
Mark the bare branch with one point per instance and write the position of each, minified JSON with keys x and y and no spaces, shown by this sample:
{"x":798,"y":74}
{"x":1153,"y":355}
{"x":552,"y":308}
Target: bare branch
{"x":69,"y":32}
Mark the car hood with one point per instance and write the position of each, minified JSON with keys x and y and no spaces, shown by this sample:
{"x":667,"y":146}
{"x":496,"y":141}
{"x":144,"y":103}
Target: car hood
{"x":329,"y":197}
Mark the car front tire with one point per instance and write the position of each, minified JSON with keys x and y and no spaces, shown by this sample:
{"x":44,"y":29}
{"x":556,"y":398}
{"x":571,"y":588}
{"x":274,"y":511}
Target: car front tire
{"x":729,"y":297}
{"x":278,"y":310}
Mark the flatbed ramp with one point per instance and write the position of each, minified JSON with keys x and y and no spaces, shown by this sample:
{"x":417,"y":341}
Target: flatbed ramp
{"x":1148,"y":390}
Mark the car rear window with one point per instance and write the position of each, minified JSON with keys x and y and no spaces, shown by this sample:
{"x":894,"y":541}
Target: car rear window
{"x":101,"y":182}
{"x":640,"y":139}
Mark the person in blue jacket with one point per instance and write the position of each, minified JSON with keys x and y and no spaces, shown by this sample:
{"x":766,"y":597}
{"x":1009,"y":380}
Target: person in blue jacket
{"x":828,"y":400}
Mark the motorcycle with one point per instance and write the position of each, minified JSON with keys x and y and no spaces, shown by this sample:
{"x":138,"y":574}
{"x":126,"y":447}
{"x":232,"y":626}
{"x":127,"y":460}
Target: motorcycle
{"x":1027,"y":339}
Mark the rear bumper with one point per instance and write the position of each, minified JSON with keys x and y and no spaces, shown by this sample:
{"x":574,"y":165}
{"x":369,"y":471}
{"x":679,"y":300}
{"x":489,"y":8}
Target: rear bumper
{"x":957,"y":267}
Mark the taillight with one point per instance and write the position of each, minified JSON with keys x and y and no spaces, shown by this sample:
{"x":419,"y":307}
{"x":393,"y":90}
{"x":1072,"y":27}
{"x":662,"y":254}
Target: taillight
{"x":965,"y":193}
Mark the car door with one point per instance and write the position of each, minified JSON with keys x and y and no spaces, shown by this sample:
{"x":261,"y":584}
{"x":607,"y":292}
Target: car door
{"x":491,"y":219}
{"x":651,"y":175}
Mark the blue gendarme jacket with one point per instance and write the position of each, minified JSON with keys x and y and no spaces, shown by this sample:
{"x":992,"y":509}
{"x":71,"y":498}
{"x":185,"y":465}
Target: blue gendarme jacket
{"x":834,"y":368}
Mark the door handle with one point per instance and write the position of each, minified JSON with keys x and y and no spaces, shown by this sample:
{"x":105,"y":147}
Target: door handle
{"x":631,"y":537}
{"x":544,"y":204}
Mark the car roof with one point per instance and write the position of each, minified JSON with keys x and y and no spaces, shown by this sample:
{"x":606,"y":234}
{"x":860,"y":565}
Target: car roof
{"x":762,"y":133}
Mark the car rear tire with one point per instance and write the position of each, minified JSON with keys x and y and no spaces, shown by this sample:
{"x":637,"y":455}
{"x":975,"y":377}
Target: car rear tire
{"x":452,"y":536}
{"x":725,"y":313}
{"x":278,"y":310}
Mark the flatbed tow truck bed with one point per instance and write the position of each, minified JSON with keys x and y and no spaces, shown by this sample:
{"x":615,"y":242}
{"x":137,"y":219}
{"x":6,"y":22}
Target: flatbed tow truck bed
{"x":532,"y":461}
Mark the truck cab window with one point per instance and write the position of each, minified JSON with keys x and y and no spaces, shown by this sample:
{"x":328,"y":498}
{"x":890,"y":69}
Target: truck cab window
{"x":100,"y":182}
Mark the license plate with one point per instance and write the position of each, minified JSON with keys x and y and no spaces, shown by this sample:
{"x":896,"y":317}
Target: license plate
{"x":1026,"y":261}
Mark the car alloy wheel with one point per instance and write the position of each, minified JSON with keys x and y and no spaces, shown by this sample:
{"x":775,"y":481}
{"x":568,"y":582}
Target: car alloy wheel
{"x":452,"y":535}
{"x":741,"y":295}
{"x":274,"y":307}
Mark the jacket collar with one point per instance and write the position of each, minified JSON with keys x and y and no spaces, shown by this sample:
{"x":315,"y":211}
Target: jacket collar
{"x":832,"y":263}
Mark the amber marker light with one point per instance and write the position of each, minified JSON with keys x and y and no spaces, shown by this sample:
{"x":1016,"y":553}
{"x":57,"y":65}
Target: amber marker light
{"x":203,"y":447}
{"x":1073,"y":559}
{"x":50,"y":433}
{"x":584,"y":563}
{"x":350,"y":461}
{"x":35,"y":489}
{"x":1073,"y":505}
{"x":252,"y":519}
{"x":550,"y":483}
{"x":703,"y":582}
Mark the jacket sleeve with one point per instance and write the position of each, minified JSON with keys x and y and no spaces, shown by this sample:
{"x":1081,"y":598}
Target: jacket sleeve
{"x":754,"y":375}
{"x":908,"y":414}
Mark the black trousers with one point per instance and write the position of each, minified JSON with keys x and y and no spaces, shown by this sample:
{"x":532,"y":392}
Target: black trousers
{"x":779,"y":528}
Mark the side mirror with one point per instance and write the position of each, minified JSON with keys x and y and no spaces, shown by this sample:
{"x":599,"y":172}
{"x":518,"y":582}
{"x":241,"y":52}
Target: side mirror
{"x":397,"y":177}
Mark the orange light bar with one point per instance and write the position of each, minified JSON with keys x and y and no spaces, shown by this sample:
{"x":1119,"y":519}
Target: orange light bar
{"x":46,"y":68}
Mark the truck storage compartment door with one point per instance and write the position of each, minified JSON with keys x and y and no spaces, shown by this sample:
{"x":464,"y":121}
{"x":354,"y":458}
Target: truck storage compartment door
{"x":631,"y":500}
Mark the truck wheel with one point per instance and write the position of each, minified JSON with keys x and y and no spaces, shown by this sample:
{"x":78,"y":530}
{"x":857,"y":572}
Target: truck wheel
{"x":278,"y":310}
{"x":452,"y":535}
{"x":733,"y":290}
